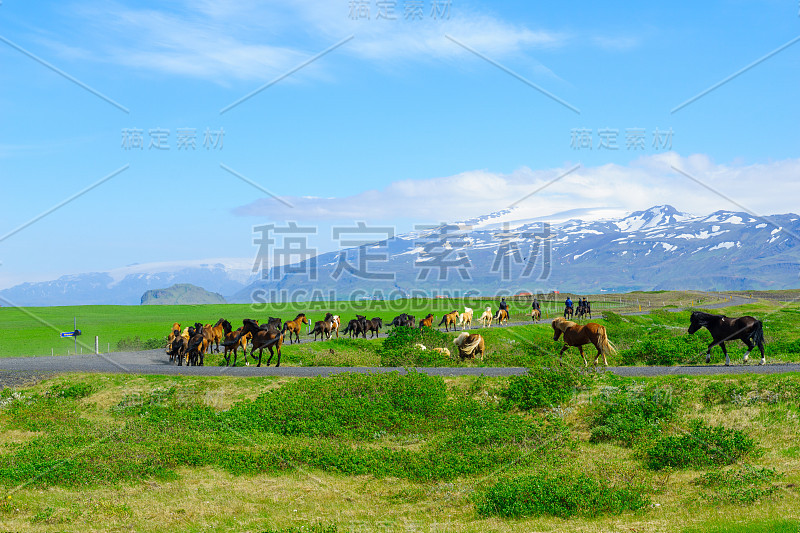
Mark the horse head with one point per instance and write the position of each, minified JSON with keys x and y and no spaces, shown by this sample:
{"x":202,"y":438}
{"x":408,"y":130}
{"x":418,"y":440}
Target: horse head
{"x":696,"y":322}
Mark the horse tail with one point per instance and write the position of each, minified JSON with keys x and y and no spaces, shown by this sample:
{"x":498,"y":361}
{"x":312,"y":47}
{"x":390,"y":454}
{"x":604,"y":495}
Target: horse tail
{"x":758,"y":334}
{"x":605,"y":345}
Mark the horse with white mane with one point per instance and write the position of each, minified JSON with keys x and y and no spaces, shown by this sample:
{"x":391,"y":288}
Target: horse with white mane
{"x":487,"y":317}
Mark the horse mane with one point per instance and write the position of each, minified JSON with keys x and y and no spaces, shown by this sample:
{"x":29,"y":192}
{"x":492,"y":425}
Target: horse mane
{"x":704,"y":319}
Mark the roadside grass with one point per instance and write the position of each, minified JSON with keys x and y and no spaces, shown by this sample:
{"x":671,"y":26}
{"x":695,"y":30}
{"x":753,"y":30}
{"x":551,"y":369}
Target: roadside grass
{"x":389,"y":453}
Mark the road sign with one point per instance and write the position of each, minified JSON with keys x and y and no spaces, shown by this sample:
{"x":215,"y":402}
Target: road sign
{"x":66,"y":334}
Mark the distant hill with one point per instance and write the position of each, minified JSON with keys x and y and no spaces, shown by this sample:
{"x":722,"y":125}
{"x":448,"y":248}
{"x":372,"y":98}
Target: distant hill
{"x":182,"y":294}
{"x":125,"y":285}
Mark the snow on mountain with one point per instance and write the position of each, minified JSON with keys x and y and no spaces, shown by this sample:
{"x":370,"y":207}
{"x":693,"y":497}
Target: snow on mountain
{"x":658,"y":248}
{"x":507,"y":251}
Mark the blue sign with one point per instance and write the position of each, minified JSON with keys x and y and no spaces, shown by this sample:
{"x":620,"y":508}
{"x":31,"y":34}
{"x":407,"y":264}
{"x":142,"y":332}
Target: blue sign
{"x":68,"y":334}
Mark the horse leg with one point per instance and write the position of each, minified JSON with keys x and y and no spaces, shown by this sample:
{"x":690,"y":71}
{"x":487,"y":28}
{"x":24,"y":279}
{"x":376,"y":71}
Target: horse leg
{"x":561,"y":353}
{"x":725,"y":351}
{"x":260,"y":353}
{"x":585,"y":362}
{"x":750,"y":346}
{"x":270,"y":354}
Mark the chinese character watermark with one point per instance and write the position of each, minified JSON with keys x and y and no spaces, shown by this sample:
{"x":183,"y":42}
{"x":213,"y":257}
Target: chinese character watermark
{"x":521,"y":246}
{"x":443,"y":248}
{"x":159,"y":139}
{"x":293,"y":256}
{"x":412,"y":10}
{"x":608,"y":139}
{"x":362,"y":247}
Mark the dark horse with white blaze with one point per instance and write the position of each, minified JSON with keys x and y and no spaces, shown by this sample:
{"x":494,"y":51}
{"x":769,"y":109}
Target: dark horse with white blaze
{"x":747,"y":329}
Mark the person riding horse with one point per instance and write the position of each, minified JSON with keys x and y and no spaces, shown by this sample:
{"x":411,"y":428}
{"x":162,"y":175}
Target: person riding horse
{"x":568,"y":307}
{"x":535,"y":305}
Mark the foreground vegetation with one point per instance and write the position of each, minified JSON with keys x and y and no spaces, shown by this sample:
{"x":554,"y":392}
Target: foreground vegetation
{"x":551,"y":450}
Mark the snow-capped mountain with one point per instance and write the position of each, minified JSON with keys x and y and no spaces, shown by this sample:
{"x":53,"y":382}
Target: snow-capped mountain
{"x":659,"y":248}
{"x":125,"y":286}
{"x":585,"y":251}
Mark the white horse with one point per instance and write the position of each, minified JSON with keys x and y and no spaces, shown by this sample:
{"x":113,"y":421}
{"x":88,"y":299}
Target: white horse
{"x":487,"y":317}
{"x":465,"y":318}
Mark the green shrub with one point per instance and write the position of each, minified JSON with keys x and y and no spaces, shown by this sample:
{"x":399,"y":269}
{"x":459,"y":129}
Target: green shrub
{"x":558,"y":495}
{"x":743,"y":485}
{"x":625,"y":415}
{"x":662,"y":347}
{"x":399,"y":349}
{"x":347,"y":404}
{"x":76,"y":391}
{"x":542,"y":387}
{"x":702,"y":445}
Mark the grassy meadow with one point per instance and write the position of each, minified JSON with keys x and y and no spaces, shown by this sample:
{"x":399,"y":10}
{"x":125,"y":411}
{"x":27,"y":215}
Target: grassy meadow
{"x":35,"y":331}
{"x":552,"y":450}
{"x":557,"y":449}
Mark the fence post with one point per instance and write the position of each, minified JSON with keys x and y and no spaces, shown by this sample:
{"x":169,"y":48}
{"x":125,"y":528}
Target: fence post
{"x":96,"y":345}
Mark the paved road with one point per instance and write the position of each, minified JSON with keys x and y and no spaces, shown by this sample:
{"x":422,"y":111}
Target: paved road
{"x":17,"y":371}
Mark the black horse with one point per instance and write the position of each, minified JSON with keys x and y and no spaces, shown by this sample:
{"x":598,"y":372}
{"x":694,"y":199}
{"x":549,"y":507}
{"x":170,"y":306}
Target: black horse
{"x":747,"y":329}
{"x":403,"y":320}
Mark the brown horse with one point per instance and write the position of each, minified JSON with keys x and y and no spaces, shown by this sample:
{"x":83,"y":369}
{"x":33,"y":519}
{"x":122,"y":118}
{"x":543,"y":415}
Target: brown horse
{"x":215,"y":333}
{"x":197,"y":346}
{"x":427,"y":321}
{"x":448,"y":319}
{"x":323,"y":327}
{"x":469,"y":345}
{"x":501,"y":316}
{"x":295,"y":326}
{"x":267,"y":336}
{"x":233,"y":341}
{"x":177,"y":346}
{"x":536,"y":315}
{"x":578,"y":335}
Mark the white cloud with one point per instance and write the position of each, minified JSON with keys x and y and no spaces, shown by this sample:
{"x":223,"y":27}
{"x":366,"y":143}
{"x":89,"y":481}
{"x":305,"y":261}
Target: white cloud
{"x":258,"y":40}
{"x":765,"y":188}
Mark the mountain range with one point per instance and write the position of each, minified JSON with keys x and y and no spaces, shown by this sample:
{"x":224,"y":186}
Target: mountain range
{"x":658,"y":248}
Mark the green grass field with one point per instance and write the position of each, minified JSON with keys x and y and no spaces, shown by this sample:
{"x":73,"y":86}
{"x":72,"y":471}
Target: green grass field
{"x":35,"y":331}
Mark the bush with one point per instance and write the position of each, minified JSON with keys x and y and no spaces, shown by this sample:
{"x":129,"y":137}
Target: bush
{"x":560,"y":495}
{"x":702,"y":445}
{"x":661,"y":347}
{"x":398,"y":348}
{"x":627,"y":415}
{"x":347,"y":404}
{"x":76,"y":391}
{"x":743,"y":485}
{"x":542,"y":387}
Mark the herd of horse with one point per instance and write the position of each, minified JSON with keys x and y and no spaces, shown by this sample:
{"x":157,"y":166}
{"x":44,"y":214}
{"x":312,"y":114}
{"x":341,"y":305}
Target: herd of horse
{"x":189,"y":346}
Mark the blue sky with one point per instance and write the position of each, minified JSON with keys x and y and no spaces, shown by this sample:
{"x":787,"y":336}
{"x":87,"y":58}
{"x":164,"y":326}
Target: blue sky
{"x":410,"y":121}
